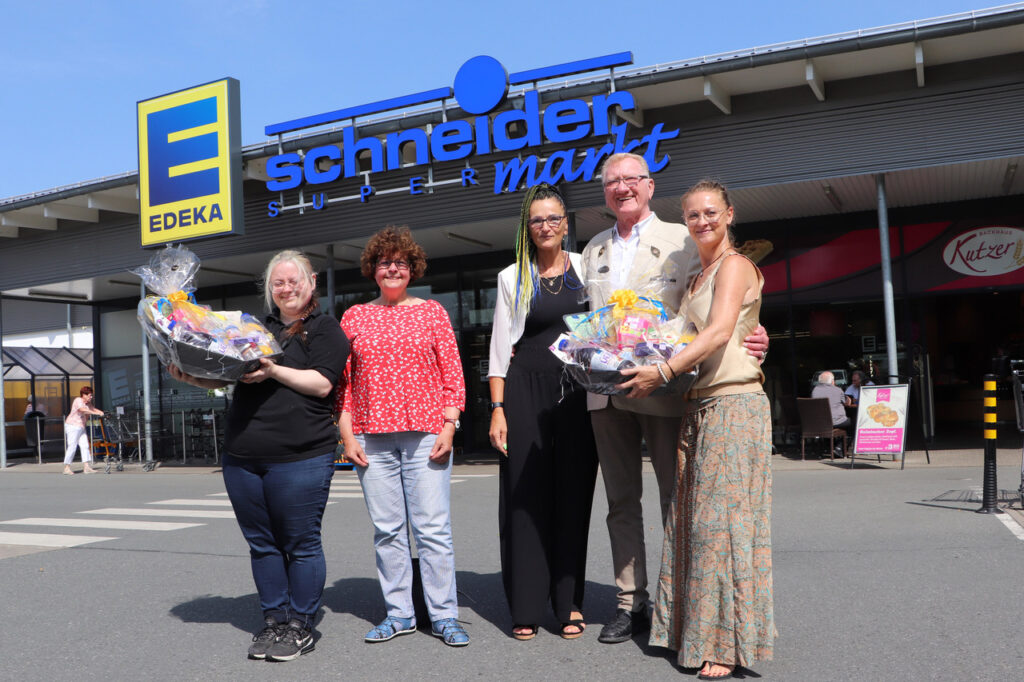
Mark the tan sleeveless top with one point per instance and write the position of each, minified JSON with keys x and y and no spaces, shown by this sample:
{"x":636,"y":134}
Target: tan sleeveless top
{"x":730,"y":369}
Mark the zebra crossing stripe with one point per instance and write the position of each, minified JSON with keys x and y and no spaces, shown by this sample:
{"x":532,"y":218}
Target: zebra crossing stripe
{"x":49,"y":539}
{"x":111,"y":524}
{"x":189,"y":513}
{"x":198,"y":503}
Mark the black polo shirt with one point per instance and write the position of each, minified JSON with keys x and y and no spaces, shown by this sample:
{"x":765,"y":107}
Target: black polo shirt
{"x":268,"y":420}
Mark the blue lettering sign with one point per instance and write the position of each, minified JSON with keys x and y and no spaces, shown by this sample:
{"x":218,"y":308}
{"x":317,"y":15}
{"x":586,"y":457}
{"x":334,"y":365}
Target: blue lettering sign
{"x":480,"y":86}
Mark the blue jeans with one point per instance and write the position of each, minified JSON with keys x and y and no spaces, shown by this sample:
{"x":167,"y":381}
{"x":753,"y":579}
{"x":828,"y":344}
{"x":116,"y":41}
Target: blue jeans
{"x":279,"y":507}
{"x":401,"y":484}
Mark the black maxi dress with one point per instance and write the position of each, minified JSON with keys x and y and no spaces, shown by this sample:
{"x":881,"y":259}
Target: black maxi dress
{"x":547,"y":480}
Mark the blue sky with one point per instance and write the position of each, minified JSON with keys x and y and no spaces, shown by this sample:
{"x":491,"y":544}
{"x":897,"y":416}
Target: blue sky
{"x":72,"y":72}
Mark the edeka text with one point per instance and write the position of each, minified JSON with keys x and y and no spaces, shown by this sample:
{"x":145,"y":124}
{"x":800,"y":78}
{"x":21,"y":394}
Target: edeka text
{"x":186,"y":217}
{"x":510,"y":131}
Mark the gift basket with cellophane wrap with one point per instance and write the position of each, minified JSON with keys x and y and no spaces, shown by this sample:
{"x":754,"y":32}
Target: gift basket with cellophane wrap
{"x":211,"y":344}
{"x":630,"y":331}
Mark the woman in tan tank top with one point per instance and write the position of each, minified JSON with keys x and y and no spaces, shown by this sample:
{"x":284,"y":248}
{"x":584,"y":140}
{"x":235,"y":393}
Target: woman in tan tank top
{"x":714,"y":598}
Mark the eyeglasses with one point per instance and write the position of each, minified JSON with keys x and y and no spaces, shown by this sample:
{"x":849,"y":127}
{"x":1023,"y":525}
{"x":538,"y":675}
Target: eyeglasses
{"x":386,"y":264}
{"x":711,"y":215}
{"x":289,"y":284}
{"x":552,"y":221}
{"x":628,"y":181}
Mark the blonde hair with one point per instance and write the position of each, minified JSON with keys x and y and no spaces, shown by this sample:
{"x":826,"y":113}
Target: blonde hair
{"x":300,"y":261}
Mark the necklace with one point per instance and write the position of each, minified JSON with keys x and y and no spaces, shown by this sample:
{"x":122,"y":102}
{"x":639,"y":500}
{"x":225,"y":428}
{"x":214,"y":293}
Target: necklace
{"x":549,"y":286}
{"x":547,"y":283}
{"x":703,"y":271}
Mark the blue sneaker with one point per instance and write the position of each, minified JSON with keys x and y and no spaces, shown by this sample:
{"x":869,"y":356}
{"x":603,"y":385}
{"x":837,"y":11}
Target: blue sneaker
{"x":450,"y":631}
{"x":390,"y":628}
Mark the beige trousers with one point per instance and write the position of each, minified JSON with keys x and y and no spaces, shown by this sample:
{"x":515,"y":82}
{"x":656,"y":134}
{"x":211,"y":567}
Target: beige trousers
{"x":619,"y":435}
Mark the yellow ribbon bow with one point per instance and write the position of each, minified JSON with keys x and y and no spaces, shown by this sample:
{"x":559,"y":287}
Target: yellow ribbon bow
{"x":178,"y":297}
{"x":622,"y":299}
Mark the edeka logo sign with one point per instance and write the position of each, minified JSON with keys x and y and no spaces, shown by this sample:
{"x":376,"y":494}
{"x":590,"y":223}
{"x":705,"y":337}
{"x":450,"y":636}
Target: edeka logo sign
{"x":480,"y":87}
{"x":986,"y":252}
{"x":190,"y":179}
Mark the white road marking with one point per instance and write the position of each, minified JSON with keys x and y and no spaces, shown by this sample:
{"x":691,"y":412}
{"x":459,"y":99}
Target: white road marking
{"x":335,"y":496}
{"x":191,"y":513}
{"x":112,"y":524}
{"x":198,"y":503}
{"x":48,"y":539}
{"x":1012,"y":524}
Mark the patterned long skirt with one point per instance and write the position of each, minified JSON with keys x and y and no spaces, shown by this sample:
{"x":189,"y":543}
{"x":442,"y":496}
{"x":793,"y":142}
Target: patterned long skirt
{"x":714,"y":596}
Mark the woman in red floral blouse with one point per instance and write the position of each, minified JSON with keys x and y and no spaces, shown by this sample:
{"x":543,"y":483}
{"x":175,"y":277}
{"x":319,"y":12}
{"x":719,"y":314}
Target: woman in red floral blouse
{"x":399,"y":412}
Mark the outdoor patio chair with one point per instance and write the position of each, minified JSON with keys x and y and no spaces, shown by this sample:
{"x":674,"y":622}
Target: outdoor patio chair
{"x":816,"y":422}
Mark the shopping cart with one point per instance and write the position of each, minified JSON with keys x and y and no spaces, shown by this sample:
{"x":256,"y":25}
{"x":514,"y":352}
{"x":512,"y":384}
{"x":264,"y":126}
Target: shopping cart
{"x":117,"y":444}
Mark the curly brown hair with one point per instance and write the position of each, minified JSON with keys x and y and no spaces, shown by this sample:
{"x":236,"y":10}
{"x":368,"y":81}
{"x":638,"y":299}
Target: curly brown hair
{"x":389,"y":242}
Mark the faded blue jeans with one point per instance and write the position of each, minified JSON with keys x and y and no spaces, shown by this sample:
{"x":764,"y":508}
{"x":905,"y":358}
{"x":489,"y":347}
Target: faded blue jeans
{"x":280,"y":507}
{"x":400,"y":485}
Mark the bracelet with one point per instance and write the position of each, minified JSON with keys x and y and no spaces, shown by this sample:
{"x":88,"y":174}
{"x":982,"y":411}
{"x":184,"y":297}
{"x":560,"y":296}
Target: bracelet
{"x":664,"y":377}
{"x":496,"y":405}
{"x":674,"y":375}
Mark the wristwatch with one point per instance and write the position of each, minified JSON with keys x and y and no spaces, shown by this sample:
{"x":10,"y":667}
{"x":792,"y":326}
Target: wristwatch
{"x":453,"y":422}
{"x":495,"y":406}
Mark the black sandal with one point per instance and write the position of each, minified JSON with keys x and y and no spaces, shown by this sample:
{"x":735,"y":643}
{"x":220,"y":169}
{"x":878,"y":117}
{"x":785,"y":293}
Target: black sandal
{"x":578,"y":623}
{"x":531,"y":632}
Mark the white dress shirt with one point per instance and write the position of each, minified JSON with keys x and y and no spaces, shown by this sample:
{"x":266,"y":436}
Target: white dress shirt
{"x":624,"y":251}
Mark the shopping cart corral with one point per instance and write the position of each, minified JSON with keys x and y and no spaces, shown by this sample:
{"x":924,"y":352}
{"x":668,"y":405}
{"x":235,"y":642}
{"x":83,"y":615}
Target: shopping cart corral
{"x":1017,"y":370}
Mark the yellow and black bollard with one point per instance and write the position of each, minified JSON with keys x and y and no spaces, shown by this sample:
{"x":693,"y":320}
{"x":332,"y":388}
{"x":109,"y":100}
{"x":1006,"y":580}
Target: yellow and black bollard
{"x":990,"y":489}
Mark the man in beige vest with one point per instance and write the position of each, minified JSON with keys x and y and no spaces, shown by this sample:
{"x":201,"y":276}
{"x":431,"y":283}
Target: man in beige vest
{"x":639,"y":252}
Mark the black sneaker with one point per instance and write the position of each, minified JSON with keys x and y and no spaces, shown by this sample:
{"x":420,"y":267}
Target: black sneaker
{"x":262,"y":640}
{"x":295,"y":639}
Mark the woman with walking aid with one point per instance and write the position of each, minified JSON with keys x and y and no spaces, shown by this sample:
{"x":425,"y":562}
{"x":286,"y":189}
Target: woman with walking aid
{"x":75,"y":431}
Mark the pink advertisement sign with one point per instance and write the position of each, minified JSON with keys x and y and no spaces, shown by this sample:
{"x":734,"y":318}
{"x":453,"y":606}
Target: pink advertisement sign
{"x":881,"y":420}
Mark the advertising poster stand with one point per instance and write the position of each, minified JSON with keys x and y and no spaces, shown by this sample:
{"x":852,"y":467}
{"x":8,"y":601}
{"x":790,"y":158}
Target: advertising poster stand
{"x":881,"y":427}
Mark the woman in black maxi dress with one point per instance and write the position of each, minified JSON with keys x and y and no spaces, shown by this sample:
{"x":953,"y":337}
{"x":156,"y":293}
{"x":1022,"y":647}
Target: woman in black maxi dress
{"x":540,"y":421}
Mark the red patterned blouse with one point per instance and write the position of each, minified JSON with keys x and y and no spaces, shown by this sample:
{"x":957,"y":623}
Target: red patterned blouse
{"x":404,"y":368}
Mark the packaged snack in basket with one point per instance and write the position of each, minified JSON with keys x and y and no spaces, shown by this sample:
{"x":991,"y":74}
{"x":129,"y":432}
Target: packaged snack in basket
{"x":631,"y":330}
{"x":206,"y":343}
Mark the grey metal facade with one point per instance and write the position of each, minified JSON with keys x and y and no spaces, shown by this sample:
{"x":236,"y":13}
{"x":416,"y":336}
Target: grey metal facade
{"x":968,"y":111}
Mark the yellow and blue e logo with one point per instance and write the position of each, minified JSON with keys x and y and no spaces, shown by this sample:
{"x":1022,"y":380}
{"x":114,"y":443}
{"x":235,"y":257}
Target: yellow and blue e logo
{"x":190,"y":170}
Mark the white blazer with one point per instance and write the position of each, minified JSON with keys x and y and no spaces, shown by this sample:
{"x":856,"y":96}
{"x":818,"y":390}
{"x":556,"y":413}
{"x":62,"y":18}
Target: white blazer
{"x":509,"y":322}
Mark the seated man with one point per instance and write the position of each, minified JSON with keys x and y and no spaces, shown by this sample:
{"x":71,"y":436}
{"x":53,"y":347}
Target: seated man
{"x":827,"y":388}
{"x":857,"y":379}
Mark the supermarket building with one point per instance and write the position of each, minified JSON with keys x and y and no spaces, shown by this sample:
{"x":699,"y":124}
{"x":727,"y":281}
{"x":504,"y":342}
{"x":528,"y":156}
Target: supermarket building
{"x":876,"y":171}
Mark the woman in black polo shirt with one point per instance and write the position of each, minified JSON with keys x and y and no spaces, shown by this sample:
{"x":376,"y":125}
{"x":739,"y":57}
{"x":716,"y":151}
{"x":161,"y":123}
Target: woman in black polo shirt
{"x":280,"y":443}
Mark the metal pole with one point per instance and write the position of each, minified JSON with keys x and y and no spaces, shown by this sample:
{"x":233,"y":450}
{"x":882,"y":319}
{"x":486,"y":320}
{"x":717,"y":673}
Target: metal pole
{"x":146,"y":407}
{"x":990,"y":490}
{"x":887,"y":295}
{"x":213,"y":424}
{"x":184,"y":447}
{"x":39,"y":439}
{"x":330,"y":280}
{"x":3,"y":412}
